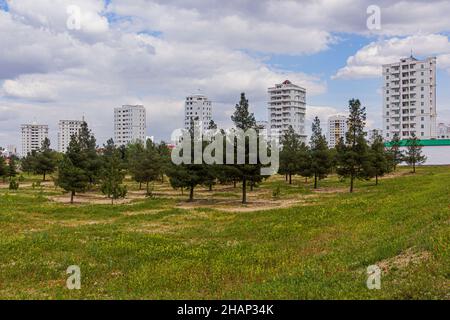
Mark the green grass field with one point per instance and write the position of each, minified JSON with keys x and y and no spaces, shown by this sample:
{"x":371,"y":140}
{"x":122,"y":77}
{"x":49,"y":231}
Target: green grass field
{"x":302,"y":245}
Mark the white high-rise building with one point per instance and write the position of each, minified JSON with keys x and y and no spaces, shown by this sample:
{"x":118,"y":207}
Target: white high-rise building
{"x":12,"y":150}
{"x":373,"y":134}
{"x":409,"y":98}
{"x":287,"y":107}
{"x":129,"y":124}
{"x":32,"y":137}
{"x":263,"y":128}
{"x":67,"y":128}
{"x":337,"y":128}
{"x":197,"y":108}
{"x":443,"y":131}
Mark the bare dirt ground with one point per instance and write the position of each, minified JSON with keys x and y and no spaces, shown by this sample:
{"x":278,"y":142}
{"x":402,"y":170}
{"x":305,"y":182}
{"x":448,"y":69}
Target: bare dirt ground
{"x":231,"y":205}
{"x":404,"y":259}
{"x":88,"y":198}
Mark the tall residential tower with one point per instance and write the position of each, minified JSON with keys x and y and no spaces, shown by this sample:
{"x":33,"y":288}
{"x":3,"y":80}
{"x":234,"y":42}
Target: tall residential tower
{"x":287,"y":107}
{"x":197,"y":108}
{"x":67,"y":128}
{"x":409,"y":98}
{"x":129,"y":124}
{"x":32,"y":137}
{"x":337,"y":128}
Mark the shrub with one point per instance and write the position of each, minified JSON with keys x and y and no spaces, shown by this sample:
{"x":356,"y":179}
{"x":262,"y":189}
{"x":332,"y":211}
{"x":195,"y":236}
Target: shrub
{"x":13,"y":185}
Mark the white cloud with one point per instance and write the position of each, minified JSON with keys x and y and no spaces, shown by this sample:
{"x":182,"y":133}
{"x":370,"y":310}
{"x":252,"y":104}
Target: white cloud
{"x":157,"y":52}
{"x":53,"y":15}
{"x":367,"y":62}
{"x":29,"y":88}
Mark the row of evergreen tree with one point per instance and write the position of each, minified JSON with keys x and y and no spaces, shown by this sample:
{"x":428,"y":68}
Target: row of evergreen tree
{"x":82,"y":167}
{"x":353,"y":157}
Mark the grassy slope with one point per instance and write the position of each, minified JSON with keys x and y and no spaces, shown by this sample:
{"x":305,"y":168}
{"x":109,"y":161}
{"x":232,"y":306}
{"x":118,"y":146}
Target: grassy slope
{"x":152,"y":250}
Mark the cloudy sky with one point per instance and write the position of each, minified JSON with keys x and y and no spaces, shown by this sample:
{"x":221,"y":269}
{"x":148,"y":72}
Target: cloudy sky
{"x":155,"y":52}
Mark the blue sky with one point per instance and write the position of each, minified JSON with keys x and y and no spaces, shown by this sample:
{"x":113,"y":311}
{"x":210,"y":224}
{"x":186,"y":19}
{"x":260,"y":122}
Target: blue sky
{"x":156,"y":52}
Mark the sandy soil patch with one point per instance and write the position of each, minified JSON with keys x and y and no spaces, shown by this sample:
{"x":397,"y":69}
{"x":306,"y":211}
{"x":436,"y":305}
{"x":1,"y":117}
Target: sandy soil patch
{"x":403,"y":260}
{"x":145,"y":212}
{"x":88,"y":198}
{"x":231,"y":205}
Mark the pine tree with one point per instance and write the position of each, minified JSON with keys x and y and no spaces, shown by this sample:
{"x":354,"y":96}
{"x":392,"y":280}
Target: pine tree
{"x":28,"y":164}
{"x":112,"y":172}
{"x":72,"y":175}
{"x":135,"y":153}
{"x":289,"y":154}
{"x":189,"y":175}
{"x":164,"y":153}
{"x":3,"y":168}
{"x":320,"y":156}
{"x":88,"y":159}
{"x":44,"y":160}
{"x":414,"y":154}
{"x":212,"y":125}
{"x":304,"y":162}
{"x":396,"y":156}
{"x":12,"y":168}
{"x":379,"y":158}
{"x":353,"y":156}
{"x":145,"y":163}
{"x":244,"y":120}
{"x":150,"y":165}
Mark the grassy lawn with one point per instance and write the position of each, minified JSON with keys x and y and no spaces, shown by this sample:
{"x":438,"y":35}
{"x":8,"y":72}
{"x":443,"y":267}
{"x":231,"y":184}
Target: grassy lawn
{"x":318,"y":247}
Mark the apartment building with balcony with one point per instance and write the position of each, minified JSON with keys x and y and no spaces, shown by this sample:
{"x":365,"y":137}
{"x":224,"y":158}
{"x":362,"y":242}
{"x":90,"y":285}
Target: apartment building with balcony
{"x":409,"y":98}
{"x":67,"y":128}
{"x":337,"y":129}
{"x":197,"y":107}
{"x":443,"y":131}
{"x":286,"y":107}
{"x":129,"y":124}
{"x":32,"y":137}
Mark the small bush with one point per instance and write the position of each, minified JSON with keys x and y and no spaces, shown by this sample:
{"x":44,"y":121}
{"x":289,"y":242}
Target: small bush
{"x":13,"y":185}
{"x":276,"y":193}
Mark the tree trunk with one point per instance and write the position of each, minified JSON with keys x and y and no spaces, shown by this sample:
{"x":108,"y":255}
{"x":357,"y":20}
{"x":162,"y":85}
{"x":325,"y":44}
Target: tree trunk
{"x":140,"y":185}
{"x":352,"y":178}
{"x":290,"y":178}
{"x":112,"y":200}
{"x":315,"y":181}
{"x":191,"y":194}
{"x":286,"y":177}
{"x":306,"y":179}
{"x":72,"y":194}
{"x":182,"y":191}
{"x":210,"y":187}
{"x":244,"y":190}
{"x":148,"y":192}
{"x":234,"y":183}
{"x":43,"y":179}
{"x":414,"y":167}
{"x":376,"y":180}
